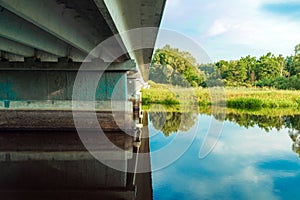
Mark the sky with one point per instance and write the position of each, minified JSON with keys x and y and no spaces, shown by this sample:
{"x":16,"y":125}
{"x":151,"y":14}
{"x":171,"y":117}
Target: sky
{"x":231,"y":29}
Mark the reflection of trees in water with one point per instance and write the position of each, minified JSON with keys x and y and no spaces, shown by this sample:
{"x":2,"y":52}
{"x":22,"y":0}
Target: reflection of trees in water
{"x":269,"y":122}
{"x":294,"y":132}
{"x":172,"y":122}
{"x":263,"y":121}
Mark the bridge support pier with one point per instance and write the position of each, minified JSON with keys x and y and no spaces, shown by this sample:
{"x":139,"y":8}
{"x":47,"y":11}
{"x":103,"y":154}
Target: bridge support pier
{"x":37,"y":130}
{"x":54,"y":81}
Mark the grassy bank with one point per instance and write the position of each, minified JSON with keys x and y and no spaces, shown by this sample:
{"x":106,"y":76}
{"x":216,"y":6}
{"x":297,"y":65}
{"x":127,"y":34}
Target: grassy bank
{"x":241,"y":98}
{"x":208,"y":110}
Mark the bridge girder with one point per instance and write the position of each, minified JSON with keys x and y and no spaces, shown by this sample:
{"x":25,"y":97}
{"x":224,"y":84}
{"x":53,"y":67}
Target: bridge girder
{"x":72,"y":28}
{"x":57,"y":20}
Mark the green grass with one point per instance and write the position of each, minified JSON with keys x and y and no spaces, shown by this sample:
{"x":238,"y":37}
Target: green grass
{"x":240,"y":98}
{"x":244,"y":103}
{"x":208,"y":110}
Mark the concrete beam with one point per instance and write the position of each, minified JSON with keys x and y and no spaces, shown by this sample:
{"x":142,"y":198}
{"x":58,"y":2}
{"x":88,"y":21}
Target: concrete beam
{"x":22,"y":37}
{"x":110,"y":22}
{"x":96,"y":65}
{"x":133,"y":14}
{"x":21,"y":156}
{"x":57,"y":20}
{"x":15,"y":48}
{"x":6,"y":56}
{"x":18,"y":30}
{"x":30,"y":85}
{"x":39,"y":119}
{"x":106,"y":15}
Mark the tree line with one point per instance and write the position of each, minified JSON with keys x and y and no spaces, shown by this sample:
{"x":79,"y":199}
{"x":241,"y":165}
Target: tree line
{"x":172,"y":66}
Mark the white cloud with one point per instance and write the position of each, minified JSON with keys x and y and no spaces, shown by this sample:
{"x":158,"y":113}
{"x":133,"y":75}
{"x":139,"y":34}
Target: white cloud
{"x":245,"y":180}
{"x":218,"y":27}
{"x":227,"y":29}
{"x":243,"y":144}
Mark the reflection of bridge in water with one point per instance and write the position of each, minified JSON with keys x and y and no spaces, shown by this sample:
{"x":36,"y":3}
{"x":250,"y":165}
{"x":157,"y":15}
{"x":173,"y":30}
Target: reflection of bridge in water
{"x":53,"y":163}
{"x":43,"y":44}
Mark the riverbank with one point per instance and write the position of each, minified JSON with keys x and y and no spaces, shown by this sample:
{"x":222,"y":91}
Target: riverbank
{"x":240,"y":98}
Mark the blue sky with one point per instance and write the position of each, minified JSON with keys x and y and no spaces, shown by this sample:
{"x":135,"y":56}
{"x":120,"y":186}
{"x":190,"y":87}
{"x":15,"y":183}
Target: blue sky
{"x":234,"y":28}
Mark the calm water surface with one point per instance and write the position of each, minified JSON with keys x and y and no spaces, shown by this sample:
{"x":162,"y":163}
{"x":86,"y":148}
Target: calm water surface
{"x":255,"y":158}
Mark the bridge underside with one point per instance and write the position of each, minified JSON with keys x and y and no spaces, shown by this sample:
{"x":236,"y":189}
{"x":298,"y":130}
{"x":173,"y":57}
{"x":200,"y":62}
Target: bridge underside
{"x":43,"y":44}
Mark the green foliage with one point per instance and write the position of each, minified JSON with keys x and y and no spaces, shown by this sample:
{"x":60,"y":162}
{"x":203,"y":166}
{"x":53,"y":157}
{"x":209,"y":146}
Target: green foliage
{"x":283,"y":83}
{"x":170,"y":101}
{"x":296,"y":61}
{"x":268,"y":67}
{"x":298,"y":102}
{"x":171,"y":66}
{"x":267,"y":71}
{"x":239,"y":72}
{"x":244,"y":103}
{"x":212,"y":75}
{"x":159,"y":96}
{"x":175,"y":67}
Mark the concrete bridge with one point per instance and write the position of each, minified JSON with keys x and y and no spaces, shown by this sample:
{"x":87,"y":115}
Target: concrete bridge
{"x":43,"y":44}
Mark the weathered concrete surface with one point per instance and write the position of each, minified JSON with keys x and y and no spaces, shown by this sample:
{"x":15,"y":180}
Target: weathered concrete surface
{"x":67,"y":141}
{"x":65,"y":65}
{"x":50,"y":29}
{"x":63,"y":120}
{"x":36,"y":85}
{"x":133,"y":14}
{"x":55,"y":81}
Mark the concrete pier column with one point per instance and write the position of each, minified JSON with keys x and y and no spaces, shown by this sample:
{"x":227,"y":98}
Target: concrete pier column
{"x":21,"y":81}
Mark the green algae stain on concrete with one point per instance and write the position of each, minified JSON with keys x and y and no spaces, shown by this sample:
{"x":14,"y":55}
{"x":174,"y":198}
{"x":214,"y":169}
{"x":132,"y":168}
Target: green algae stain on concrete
{"x":6,"y":91}
{"x":112,"y":86}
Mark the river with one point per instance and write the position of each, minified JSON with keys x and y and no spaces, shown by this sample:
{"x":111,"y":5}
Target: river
{"x":255,"y":156}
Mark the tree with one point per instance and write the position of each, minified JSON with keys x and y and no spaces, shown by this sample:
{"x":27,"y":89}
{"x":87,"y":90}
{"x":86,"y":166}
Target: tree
{"x":268,"y":67}
{"x":281,"y":61}
{"x":251,"y":64}
{"x":296,"y":60}
{"x":222,"y":66}
{"x":289,"y":65}
{"x":169,"y":65}
{"x":212,"y":75}
{"x":234,"y":72}
{"x":267,"y":71}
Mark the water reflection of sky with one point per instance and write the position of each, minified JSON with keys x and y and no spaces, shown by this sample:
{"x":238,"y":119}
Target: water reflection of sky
{"x":245,"y":164}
